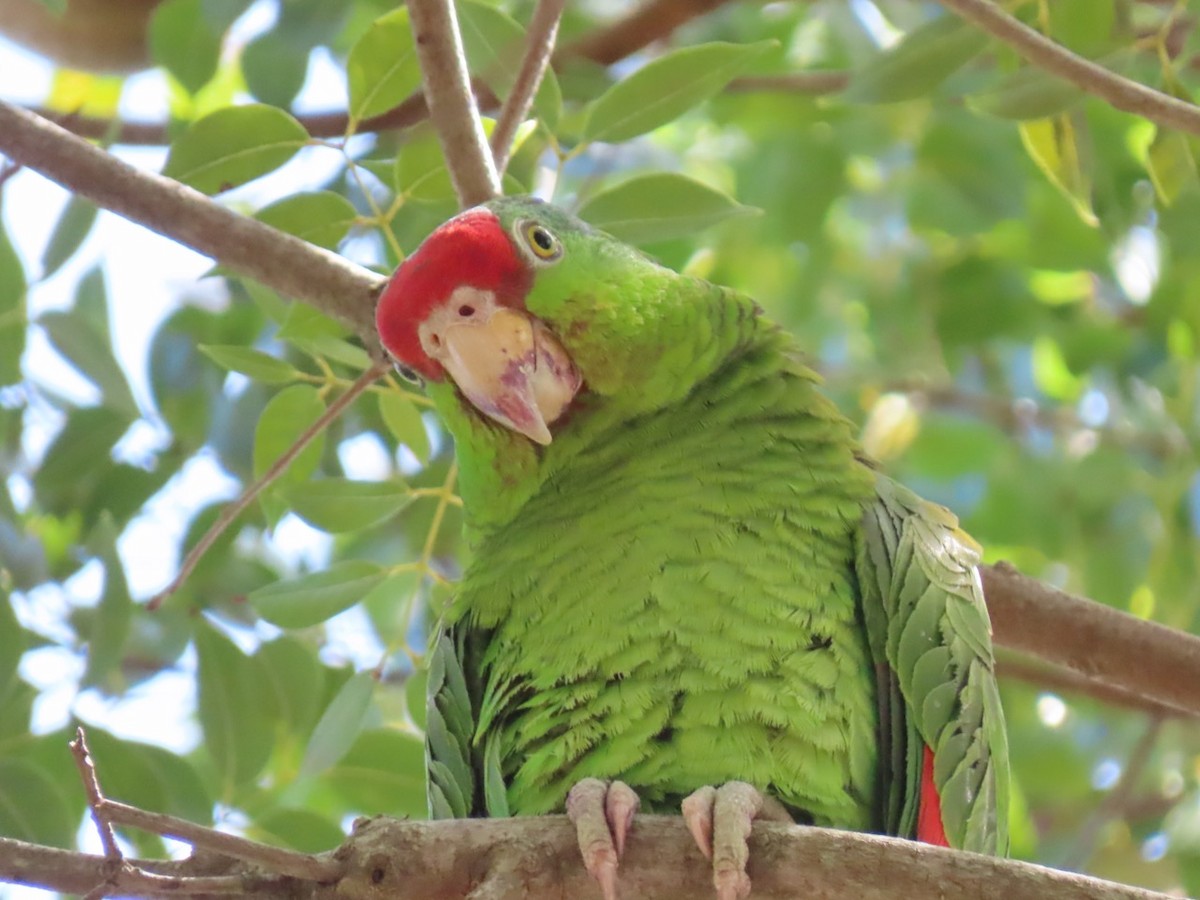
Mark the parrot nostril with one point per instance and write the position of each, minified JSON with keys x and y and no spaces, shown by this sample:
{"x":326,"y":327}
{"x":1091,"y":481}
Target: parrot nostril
{"x":466,"y":311}
{"x":435,"y":340}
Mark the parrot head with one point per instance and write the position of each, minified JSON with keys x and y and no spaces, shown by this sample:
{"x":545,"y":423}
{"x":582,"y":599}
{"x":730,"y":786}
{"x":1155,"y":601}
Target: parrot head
{"x":502,"y":301}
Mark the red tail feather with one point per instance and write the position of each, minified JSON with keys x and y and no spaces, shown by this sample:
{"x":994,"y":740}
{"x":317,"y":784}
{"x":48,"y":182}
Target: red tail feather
{"x":929,"y":812}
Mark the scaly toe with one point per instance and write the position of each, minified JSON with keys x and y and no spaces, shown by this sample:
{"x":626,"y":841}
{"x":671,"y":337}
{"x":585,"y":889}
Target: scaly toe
{"x":602,"y":814}
{"x":720,"y":820}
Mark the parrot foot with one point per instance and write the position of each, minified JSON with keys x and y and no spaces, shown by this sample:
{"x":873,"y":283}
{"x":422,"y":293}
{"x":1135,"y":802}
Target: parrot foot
{"x":720,"y":820}
{"x":602,"y":813}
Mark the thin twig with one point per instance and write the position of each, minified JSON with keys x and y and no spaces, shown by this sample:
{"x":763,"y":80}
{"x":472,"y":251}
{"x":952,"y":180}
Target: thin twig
{"x":451,"y":103}
{"x":1115,"y":801}
{"x":273,"y":859}
{"x":248,"y":496}
{"x":539,"y":45}
{"x":8,"y":170}
{"x":828,"y":81}
{"x":1053,"y":678}
{"x":288,"y":264}
{"x":643,"y":26}
{"x":95,"y":797}
{"x":1094,"y":79}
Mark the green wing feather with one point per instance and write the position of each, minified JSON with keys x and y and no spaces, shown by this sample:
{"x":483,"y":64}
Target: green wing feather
{"x":931,"y":640}
{"x":462,"y":778}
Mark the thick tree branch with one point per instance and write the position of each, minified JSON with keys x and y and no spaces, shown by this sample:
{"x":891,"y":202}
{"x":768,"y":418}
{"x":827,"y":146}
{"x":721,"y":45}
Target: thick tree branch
{"x":539,"y":44}
{"x":539,"y":858}
{"x":1099,"y":642}
{"x":291,"y":266}
{"x":451,"y":102}
{"x":1117,"y":90}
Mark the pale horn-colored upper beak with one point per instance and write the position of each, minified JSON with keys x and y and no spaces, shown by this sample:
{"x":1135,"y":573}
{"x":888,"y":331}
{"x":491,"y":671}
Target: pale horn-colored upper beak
{"x":512,"y":369}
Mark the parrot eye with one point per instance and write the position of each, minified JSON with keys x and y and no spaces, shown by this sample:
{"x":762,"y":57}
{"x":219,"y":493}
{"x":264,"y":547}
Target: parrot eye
{"x":408,"y":374}
{"x":542,"y":243}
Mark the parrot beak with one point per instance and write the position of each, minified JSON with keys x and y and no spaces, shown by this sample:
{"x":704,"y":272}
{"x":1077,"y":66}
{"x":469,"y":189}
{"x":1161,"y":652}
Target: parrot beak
{"x":512,"y":369}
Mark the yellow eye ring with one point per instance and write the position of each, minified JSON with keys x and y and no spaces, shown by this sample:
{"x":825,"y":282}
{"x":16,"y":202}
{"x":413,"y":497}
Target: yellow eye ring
{"x":541,"y":241}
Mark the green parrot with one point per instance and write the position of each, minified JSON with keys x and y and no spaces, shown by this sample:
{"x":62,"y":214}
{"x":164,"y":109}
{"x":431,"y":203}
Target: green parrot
{"x":687,"y":586}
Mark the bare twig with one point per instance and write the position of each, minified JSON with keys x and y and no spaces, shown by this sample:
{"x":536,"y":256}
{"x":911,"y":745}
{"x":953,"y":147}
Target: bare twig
{"x":648,"y":23}
{"x":294,"y":267}
{"x":451,"y":103}
{"x":539,"y":45}
{"x":828,"y":81}
{"x":272,"y":859}
{"x":95,"y":797}
{"x":1119,"y":91}
{"x":248,"y":496}
{"x":1053,"y":678}
{"x":1116,"y":800}
{"x":1097,"y":641}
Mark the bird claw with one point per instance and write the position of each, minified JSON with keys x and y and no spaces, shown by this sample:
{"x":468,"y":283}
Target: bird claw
{"x":602,"y":813}
{"x":720,"y":820}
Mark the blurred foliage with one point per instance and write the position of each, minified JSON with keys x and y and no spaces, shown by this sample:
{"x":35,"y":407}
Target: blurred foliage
{"x":996,"y":274}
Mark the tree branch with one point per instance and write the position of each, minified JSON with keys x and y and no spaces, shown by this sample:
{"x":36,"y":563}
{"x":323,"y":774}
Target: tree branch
{"x":291,"y":266}
{"x":1116,"y":800}
{"x":539,"y":45}
{"x":822,"y":81}
{"x":451,"y":102}
{"x":538,"y":857}
{"x":648,"y":23}
{"x":1097,"y":641}
{"x":1053,"y":678}
{"x":1117,"y":90}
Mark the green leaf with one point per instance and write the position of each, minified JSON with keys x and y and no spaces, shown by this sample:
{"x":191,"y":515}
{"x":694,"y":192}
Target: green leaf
{"x":659,"y":207}
{"x":295,"y":673}
{"x":110,"y":625}
{"x":404,"y":421}
{"x":1171,"y":162}
{"x":389,"y":603}
{"x":12,"y":311}
{"x":344,"y":504}
{"x":382,"y":67}
{"x":233,"y":715}
{"x":13,"y":642}
{"x":339,"y":725}
{"x":286,"y":416}
{"x":494,"y":44}
{"x":78,"y":458}
{"x":82,"y":336}
{"x":415,"y":695}
{"x":1053,"y":144}
{"x":664,"y":89}
{"x":321,"y":217}
{"x":1027,"y":93}
{"x":150,"y":777}
{"x":311,"y":599}
{"x":234,"y":145}
{"x":70,"y":231}
{"x":184,"y":41}
{"x":420,"y":171}
{"x":926,"y":57}
{"x":274,"y":68}
{"x":252,"y":363}
{"x":384,"y":771}
{"x":303,"y":830}
{"x":32,"y":805}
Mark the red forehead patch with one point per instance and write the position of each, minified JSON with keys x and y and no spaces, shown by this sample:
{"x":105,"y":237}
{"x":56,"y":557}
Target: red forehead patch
{"x":471,"y":249}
